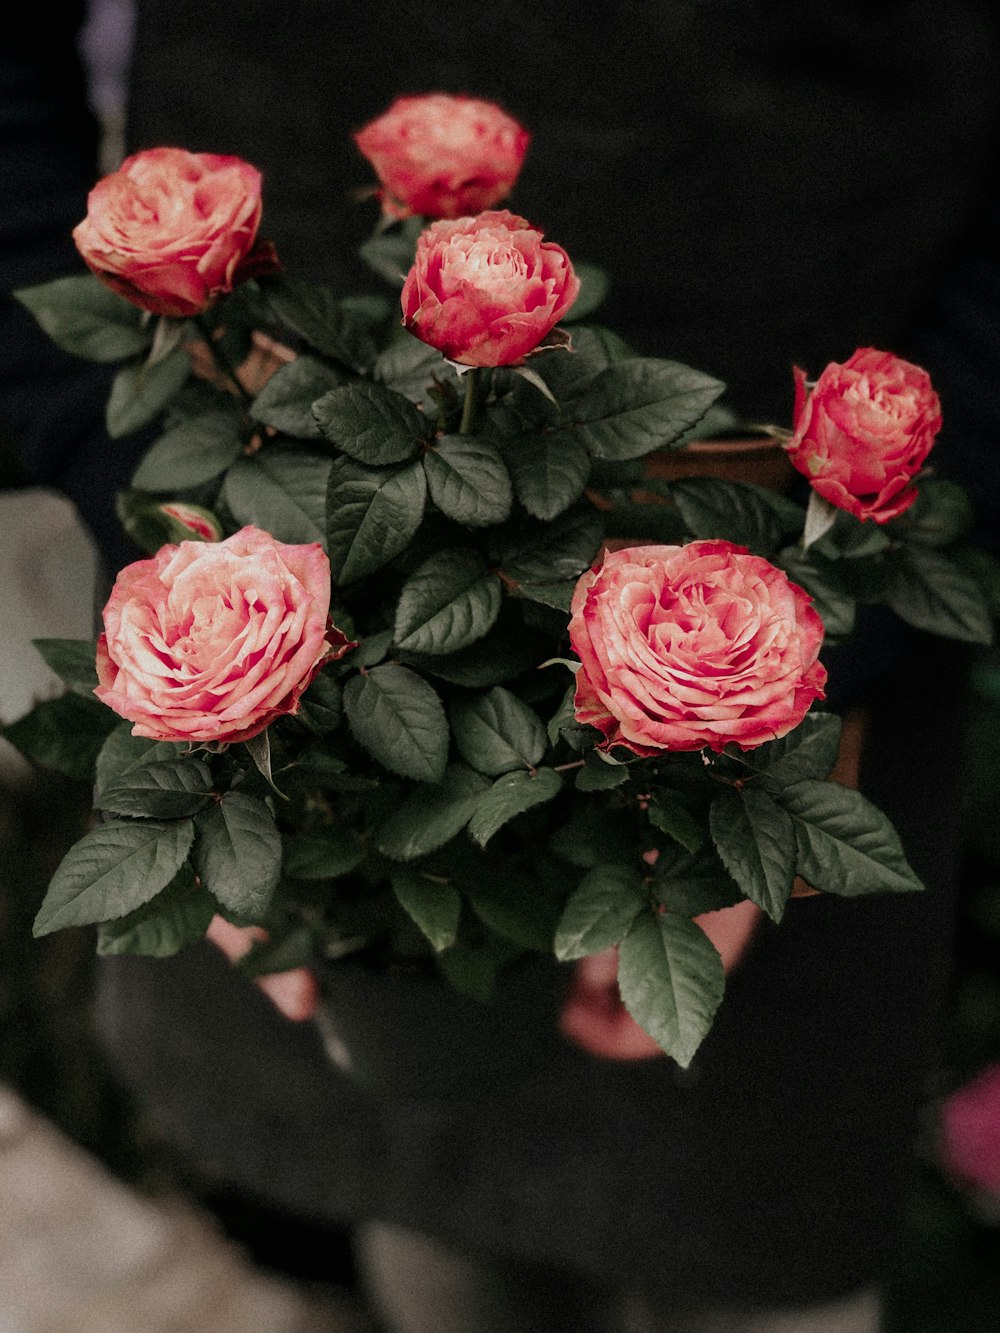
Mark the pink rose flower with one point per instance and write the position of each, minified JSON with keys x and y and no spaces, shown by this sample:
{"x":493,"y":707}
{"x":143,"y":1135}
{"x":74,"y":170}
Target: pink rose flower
{"x":862,"y":434}
{"x":171,"y":231}
{"x":970,"y":1132}
{"x":443,"y":156}
{"x":683,"y":647}
{"x":211,"y":641}
{"x":486,"y":290}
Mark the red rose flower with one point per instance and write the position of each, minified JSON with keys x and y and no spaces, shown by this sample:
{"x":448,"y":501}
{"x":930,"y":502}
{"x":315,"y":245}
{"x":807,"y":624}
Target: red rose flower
{"x":970,"y":1132}
{"x":683,"y":647}
{"x":171,"y":231}
{"x":862,"y":434}
{"x":486,"y":290}
{"x":211,"y":641}
{"x":443,"y":156}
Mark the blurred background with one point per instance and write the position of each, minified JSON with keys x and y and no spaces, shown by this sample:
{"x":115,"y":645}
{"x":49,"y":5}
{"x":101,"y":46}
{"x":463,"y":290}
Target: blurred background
{"x":947,"y":1275}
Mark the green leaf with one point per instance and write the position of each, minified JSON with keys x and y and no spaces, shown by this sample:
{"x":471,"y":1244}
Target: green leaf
{"x":845,"y":844}
{"x":238,"y":855}
{"x":533,"y":552}
{"x":496,"y":732}
{"x":323,"y":853}
{"x":504,"y":653}
{"x":390,"y":253}
{"x":513,"y":906}
{"x":671,"y":982}
{"x":810,"y":751}
{"x":64,"y":734}
{"x":558,"y":596}
{"x":599,"y":913}
{"x":639,"y":405}
{"x":594,"y":285}
{"x":984,"y":568}
{"x":668,"y":813}
{"x":598,"y":775}
{"x":282,"y":491}
{"x":756,"y":840}
{"x":316,"y":315}
{"x":73,"y":661}
{"x":371,"y":515}
{"x":935,"y":594}
{"x":372,"y":424}
{"x":451,"y":601}
{"x":594,"y":349}
{"x":435,"y":907}
{"x":322,"y":703}
{"x":728,"y":510}
{"x":941,"y":514}
{"x":112,"y":870}
{"x":164,"y":789}
{"x":399,"y":719}
{"x":689,"y":883}
{"x":431,"y":816}
{"x":834,"y":605}
{"x":88,"y":319}
{"x":468,"y":480}
{"x":413,"y":368}
{"x":179,"y":915}
{"x":122,"y":752}
{"x":286,"y":400}
{"x":596,"y":836}
{"x":190,"y":454}
{"x":140,"y":392}
{"x":550,"y":471}
{"x":509,"y":796}
{"x":565,"y":715}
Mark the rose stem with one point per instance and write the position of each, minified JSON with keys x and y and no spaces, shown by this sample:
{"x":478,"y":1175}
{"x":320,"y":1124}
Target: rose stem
{"x":220,"y":358}
{"x":471,"y":401}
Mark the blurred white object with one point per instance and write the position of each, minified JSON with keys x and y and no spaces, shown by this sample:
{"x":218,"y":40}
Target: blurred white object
{"x":80,"y":1252}
{"x":48,"y":577}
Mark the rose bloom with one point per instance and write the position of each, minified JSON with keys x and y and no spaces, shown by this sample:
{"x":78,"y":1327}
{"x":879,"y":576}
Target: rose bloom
{"x":486,"y":290}
{"x":211,"y":641}
{"x":970,"y":1132}
{"x":683,"y":647}
{"x":171,"y":231}
{"x":862,"y":434}
{"x":443,"y":156}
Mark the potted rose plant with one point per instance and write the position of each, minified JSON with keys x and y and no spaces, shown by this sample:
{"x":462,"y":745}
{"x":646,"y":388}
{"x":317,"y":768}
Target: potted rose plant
{"x":427,"y":668}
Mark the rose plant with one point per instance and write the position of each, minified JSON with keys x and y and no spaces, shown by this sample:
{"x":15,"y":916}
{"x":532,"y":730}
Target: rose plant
{"x":426,"y":665}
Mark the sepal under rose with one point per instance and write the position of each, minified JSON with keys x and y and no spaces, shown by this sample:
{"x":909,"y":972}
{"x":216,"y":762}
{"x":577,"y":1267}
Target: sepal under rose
{"x":687,"y":647}
{"x":171,"y":231}
{"x":212,"y":641}
{"x":486,"y":290}
{"x":443,"y":156}
{"x":863,"y":431}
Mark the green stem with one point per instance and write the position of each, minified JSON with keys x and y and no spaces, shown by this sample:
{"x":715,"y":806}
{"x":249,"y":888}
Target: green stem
{"x":220,"y":358}
{"x":471,"y":401}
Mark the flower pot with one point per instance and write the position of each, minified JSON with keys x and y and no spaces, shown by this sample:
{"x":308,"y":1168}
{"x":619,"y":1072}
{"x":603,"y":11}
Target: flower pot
{"x":760,"y":460}
{"x":407,"y":1034}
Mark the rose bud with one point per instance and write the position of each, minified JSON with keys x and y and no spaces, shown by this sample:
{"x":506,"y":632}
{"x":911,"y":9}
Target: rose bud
{"x":683,"y":647}
{"x":443,"y":156}
{"x":172,"y":231}
{"x":191,"y":522}
{"x":212,"y":641}
{"x":862,"y":433}
{"x":485,"y":291}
